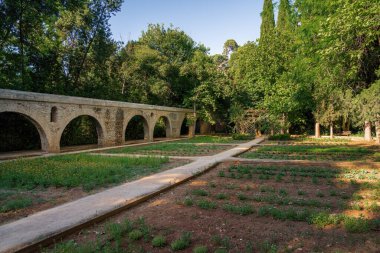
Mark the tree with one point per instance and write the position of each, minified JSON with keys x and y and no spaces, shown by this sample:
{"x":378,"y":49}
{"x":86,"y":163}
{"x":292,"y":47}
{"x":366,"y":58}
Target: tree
{"x":229,"y":47}
{"x":59,"y":47}
{"x":267,"y":23}
{"x":368,"y":106}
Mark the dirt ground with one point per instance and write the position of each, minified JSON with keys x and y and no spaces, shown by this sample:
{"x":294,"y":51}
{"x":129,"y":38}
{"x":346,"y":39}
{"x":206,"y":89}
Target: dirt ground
{"x":218,"y":229}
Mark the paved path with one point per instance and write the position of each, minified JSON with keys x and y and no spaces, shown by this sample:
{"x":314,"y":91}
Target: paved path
{"x":35,"y":228}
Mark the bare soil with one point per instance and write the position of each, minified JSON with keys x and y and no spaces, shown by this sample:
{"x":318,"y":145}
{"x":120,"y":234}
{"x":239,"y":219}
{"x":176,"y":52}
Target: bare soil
{"x":169,"y":216}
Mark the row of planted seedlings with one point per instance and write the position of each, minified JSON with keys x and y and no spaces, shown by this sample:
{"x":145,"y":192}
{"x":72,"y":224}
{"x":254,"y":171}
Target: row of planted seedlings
{"x":302,"y":152}
{"x":124,"y":236}
{"x":309,"y":142}
{"x":137,"y":236}
{"x":237,"y":191}
{"x":172,"y":149}
{"x":278,"y":192}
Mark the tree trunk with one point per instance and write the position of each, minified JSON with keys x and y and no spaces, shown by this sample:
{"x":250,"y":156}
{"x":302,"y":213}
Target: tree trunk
{"x":21,"y":41}
{"x":283,"y":123}
{"x":331,"y":131}
{"x":272,"y":131}
{"x":317,"y":130}
{"x":377,"y":124}
{"x":367,"y":131}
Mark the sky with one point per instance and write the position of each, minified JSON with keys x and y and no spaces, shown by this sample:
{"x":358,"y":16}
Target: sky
{"x":210,"y":22}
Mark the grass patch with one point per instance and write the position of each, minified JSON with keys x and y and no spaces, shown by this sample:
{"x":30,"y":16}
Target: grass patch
{"x":87,"y":171}
{"x":239,"y":209}
{"x":279,"y":137}
{"x":312,"y":152}
{"x":200,"y":249}
{"x":243,"y":137}
{"x":170,"y":148}
{"x":159,"y":241}
{"x":181,"y":243}
{"x":205,"y":204}
{"x":135,"y":235}
{"x":200,"y":192}
{"x":15,"y":204}
{"x":210,"y":139}
{"x":221,"y":196}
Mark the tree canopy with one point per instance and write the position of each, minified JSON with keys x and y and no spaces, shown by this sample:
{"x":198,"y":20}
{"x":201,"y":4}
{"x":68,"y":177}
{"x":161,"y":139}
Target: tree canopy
{"x":318,"y":61}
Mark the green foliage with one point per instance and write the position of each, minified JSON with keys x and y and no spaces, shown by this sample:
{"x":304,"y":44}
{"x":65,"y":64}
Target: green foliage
{"x":241,"y":210}
{"x":135,"y":235}
{"x":206,"y":204}
{"x":15,"y":204}
{"x":267,"y":23}
{"x":188,"y":201}
{"x":200,"y":192}
{"x":238,"y":136}
{"x":209,"y":139}
{"x":88,"y":171}
{"x":279,"y":137}
{"x":169,"y":148}
{"x":181,"y":243}
{"x":159,"y":241}
{"x":321,"y":59}
{"x":356,"y":225}
{"x":200,"y":249}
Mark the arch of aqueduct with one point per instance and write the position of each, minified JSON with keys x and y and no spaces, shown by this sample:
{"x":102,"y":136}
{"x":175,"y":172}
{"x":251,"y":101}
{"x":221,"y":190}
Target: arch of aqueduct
{"x":50,"y":114}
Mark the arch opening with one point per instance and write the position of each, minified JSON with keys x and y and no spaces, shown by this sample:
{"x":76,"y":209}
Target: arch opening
{"x":19,"y":132}
{"x":184,"y":127}
{"x":82,"y":130}
{"x":162,"y":128}
{"x":137,"y":129}
{"x":53,"y":114}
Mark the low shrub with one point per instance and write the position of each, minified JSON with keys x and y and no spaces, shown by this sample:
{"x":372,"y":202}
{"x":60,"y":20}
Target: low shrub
{"x":280,"y":137}
{"x":199,"y":192}
{"x":135,"y":235}
{"x":182,"y":243}
{"x":243,"y":137}
{"x":200,"y":249}
{"x":221,"y":196}
{"x":241,"y":210}
{"x":188,"y":201}
{"x":15,"y":204}
{"x":159,"y":241}
{"x":356,"y":225}
{"x":205,"y":204}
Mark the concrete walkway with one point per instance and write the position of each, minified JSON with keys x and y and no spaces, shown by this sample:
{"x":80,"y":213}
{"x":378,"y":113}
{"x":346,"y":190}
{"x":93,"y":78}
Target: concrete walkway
{"x":37,"y":227}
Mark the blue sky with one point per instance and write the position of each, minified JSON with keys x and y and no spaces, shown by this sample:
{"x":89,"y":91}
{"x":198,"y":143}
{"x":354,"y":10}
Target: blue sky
{"x":210,"y":22}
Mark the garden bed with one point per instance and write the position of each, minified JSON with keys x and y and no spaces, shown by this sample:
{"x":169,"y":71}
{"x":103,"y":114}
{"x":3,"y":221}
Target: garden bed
{"x":248,"y":208}
{"x":216,"y":139}
{"x":31,"y":185}
{"x":173,"y":149}
{"x":315,"y":152}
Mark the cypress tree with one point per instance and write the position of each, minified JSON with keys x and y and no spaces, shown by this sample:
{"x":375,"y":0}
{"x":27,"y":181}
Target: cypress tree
{"x":267,"y":22}
{"x":283,"y":18}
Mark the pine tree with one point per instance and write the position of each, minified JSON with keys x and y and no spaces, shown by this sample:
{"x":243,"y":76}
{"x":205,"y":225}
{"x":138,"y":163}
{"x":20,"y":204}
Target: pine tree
{"x":267,"y":22}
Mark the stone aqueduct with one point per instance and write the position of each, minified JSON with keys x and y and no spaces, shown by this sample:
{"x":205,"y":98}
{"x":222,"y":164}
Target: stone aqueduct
{"x":50,"y":114}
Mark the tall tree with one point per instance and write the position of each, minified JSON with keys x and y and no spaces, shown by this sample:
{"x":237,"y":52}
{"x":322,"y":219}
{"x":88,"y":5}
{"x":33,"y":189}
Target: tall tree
{"x":284,"y":16}
{"x":267,"y":22}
